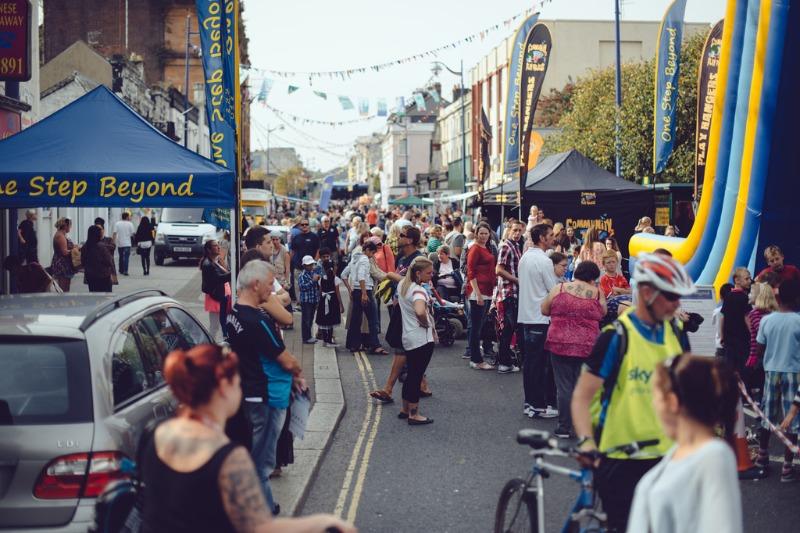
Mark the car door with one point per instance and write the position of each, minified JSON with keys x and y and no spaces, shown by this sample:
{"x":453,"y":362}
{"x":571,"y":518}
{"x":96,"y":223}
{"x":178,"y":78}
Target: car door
{"x":132,"y":384}
{"x":189,"y":330}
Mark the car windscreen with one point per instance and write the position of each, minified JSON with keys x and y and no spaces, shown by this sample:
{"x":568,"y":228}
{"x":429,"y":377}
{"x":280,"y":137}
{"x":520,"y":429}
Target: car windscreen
{"x":44,"y":381}
{"x":182,"y":214}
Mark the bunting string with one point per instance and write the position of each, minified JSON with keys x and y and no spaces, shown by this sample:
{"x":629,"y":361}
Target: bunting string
{"x":347,"y":73}
{"x":261,"y":130}
{"x":305,"y":120}
{"x":310,"y":137}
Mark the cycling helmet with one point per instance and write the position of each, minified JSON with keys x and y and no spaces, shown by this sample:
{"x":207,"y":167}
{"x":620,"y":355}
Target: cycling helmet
{"x":664,"y":273}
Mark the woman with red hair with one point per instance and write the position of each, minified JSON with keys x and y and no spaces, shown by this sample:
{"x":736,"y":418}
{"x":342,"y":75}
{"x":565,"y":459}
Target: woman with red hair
{"x":196,"y":479}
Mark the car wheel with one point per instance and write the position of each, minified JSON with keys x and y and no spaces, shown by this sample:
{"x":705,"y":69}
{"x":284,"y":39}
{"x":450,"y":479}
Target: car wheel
{"x":159,"y":259}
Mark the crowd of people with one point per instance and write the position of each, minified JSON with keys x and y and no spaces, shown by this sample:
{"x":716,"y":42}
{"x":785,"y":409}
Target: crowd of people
{"x":606,"y":355}
{"x":602,"y":351}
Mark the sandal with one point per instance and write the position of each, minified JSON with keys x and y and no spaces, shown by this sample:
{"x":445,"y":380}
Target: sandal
{"x":378,"y":351}
{"x":382,"y":396}
{"x":402,"y":416}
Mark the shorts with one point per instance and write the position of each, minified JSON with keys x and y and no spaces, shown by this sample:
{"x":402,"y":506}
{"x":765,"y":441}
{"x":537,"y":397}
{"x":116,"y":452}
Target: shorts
{"x":779,"y":391}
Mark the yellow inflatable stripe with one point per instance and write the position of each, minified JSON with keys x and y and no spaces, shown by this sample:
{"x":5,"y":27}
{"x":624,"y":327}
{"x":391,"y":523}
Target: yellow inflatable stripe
{"x":754,"y":108}
{"x":683,"y":250}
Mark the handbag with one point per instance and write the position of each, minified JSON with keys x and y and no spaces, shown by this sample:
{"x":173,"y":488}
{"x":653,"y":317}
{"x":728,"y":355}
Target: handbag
{"x":394,"y":331}
{"x":75,"y":256}
{"x":145,"y":245}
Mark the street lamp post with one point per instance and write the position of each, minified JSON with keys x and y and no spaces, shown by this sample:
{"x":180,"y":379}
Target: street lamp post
{"x":272,"y":186}
{"x":460,"y":74}
{"x":189,"y":34}
{"x":618,"y":85}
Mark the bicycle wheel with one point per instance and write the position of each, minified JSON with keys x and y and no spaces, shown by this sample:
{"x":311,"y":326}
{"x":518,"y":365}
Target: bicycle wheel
{"x":516,"y":509}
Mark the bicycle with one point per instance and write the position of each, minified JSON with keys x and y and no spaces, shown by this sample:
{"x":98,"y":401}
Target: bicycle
{"x":526,"y":497}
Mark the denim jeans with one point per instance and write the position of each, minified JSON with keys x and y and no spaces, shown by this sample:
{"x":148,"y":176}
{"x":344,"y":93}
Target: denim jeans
{"x":267,"y":423}
{"x":477,"y":316}
{"x":354,"y":340}
{"x":307,"y":310}
{"x":534,"y":365}
{"x":566,"y":371}
{"x":504,"y":354}
{"x":124,"y":258}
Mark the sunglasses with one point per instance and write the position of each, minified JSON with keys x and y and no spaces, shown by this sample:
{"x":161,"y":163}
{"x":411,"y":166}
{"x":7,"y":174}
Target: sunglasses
{"x":303,"y":225}
{"x":669,"y":296}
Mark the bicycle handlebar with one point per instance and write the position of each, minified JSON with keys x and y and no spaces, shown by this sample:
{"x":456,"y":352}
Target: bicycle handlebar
{"x":542,"y":440}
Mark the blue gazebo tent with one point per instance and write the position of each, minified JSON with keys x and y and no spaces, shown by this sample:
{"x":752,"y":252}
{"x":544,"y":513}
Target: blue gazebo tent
{"x":98,"y":152}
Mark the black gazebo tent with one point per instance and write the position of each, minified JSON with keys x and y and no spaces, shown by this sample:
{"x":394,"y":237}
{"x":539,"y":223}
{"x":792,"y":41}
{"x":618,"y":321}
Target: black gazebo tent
{"x":573,"y":189}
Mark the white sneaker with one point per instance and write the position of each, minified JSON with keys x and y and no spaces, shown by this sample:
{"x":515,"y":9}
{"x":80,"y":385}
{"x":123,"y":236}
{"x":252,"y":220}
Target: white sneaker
{"x":544,"y":413}
{"x":505,"y":369}
{"x":528,"y":411}
{"x":331,"y":345}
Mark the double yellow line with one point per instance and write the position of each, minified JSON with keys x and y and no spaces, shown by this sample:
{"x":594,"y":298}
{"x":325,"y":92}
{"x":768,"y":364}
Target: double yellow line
{"x":359,"y":462}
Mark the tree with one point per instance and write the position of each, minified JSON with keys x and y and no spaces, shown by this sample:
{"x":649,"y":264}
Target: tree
{"x":589,"y":125}
{"x":292,"y":180}
{"x":551,"y":108}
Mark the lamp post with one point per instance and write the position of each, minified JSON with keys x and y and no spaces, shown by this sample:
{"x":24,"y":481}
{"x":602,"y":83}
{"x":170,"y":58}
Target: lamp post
{"x":185,"y":113}
{"x":272,"y":186}
{"x":460,"y":74}
{"x":618,"y":84}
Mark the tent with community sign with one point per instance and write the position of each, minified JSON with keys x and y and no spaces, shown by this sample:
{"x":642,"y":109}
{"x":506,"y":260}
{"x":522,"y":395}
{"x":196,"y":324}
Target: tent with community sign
{"x":97,"y":152}
{"x":573,"y":189}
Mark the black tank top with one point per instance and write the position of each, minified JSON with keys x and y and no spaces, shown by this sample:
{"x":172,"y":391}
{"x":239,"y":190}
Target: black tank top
{"x":183,"y":501}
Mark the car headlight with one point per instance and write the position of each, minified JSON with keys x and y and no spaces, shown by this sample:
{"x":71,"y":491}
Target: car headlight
{"x":159,"y":237}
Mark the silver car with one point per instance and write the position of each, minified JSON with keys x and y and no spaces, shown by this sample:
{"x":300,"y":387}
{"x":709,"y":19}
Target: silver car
{"x":80,"y":377}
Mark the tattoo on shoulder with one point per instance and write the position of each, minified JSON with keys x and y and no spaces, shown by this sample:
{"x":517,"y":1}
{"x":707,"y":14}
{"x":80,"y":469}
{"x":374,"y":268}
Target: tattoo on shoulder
{"x":241,"y":491}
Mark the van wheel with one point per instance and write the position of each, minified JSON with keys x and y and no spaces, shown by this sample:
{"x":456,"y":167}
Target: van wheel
{"x":159,"y":259}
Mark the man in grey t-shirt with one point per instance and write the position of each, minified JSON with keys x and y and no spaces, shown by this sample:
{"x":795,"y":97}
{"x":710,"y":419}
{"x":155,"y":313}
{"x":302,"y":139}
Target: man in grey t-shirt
{"x":455,"y":239}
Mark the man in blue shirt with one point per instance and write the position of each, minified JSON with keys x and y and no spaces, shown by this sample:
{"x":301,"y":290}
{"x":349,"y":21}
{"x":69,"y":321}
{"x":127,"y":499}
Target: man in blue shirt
{"x":267,"y":369}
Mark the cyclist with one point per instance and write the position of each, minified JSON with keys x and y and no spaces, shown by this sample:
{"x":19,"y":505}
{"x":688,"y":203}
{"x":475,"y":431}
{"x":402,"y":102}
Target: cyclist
{"x":612,"y":404}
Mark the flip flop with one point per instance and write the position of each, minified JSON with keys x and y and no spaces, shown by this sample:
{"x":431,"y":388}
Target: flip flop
{"x":378,"y":351}
{"x":381,"y":396}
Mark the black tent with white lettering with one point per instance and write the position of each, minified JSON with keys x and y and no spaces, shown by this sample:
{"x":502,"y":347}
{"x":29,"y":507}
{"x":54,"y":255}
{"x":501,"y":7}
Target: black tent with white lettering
{"x":573,"y":189}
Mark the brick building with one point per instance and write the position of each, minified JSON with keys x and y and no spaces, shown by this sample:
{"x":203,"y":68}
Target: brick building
{"x":153,"y":30}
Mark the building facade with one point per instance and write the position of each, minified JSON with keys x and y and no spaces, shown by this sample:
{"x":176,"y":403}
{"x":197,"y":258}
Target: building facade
{"x":156,"y":33}
{"x":456,"y":148}
{"x":274,"y":161}
{"x":367,"y":160}
{"x":406,"y":146}
{"x":579,"y":46}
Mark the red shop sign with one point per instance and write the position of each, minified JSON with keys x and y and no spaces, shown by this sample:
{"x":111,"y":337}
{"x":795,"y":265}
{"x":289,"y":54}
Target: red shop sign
{"x":15,"y":40}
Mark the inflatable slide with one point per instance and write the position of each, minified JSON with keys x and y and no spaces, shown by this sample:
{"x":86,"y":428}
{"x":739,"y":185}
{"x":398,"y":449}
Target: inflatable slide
{"x":751,"y":179}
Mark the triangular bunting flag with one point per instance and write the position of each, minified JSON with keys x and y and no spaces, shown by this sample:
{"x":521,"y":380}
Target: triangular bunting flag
{"x":346,"y":103}
{"x":363,"y":107}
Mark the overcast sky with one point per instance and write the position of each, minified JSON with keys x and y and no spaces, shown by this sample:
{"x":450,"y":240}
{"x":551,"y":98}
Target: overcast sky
{"x":324,"y":35}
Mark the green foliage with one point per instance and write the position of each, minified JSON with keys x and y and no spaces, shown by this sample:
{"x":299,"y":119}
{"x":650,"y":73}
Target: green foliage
{"x":551,"y":108}
{"x":589,"y":125}
{"x":290,"y":181}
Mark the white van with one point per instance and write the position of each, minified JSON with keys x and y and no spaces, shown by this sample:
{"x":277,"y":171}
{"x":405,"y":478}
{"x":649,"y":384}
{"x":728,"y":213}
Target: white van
{"x":182,"y":232}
